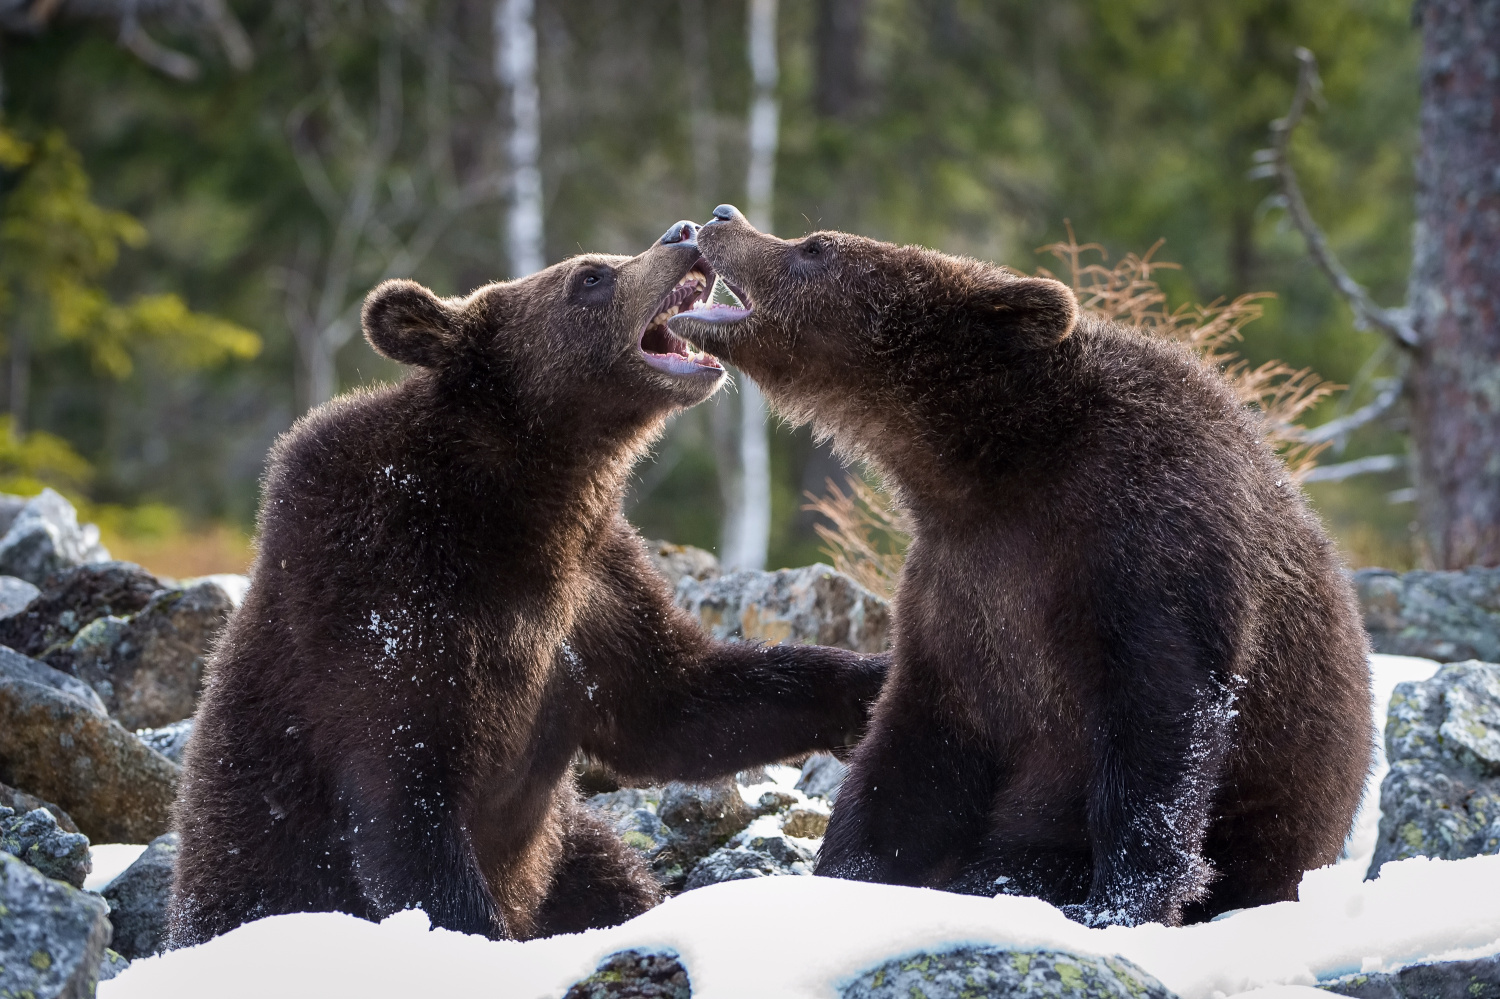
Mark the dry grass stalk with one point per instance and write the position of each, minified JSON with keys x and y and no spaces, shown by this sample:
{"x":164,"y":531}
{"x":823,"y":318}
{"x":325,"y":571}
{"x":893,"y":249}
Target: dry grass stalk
{"x":867,"y":540}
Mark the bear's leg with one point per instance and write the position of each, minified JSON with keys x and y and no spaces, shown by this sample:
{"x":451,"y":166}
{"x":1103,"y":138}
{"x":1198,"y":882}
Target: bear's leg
{"x":1158,"y":758}
{"x":598,"y":882}
{"x":914,"y":808}
{"x":414,"y":852}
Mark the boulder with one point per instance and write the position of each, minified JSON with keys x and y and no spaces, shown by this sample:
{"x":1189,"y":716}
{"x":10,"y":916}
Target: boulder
{"x":14,"y":666}
{"x":138,"y":900}
{"x":1479,"y":979}
{"x":1438,"y":615}
{"x":52,"y":936}
{"x":169,"y":740}
{"x":632,"y":811}
{"x":702,"y":817}
{"x":995,"y":971}
{"x":821,"y":776}
{"x":809,"y":821}
{"x":72,"y":599}
{"x":634,"y":974}
{"x":15,"y":595}
{"x":148,"y":668}
{"x":813,"y":605}
{"x":111,"y":965}
{"x":54,"y":744}
{"x":34,"y":838}
{"x":679,"y":562}
{"x":1442,"y":796}
{"x":45,"y":537}
{"x":21,"y":802}
{"x":759,"y":851}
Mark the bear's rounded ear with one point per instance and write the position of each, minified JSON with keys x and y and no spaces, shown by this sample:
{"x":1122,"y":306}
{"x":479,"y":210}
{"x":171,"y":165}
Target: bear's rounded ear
{"x":1030,"y":312}
{"x":407,"y":323}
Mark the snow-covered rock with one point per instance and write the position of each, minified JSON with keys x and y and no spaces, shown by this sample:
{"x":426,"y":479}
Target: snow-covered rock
{"x":34,"y":838}
{"x":813,"y":605}
{"x":45,"y":537}
{"x":821,"y":776}
{"x":1441,"y":797}
{"x":1443,"y":980}
{"x":1445,"y":616}
{"x":52,"y":936}
{"x":168,"y":740}
{"x":967,"y":972}
{"x":138,"y":900}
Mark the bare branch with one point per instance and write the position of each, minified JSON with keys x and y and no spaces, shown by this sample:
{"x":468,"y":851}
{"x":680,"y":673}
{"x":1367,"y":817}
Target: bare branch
{"x":1341,"y":427}
{"x":1359,"y":466}
{"x":133,"y":39}
{"x":1277,"y":163}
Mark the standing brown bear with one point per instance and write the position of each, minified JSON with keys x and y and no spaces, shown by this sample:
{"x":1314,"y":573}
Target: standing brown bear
{"x":1129,"y":674}
{"x":447,"y":604}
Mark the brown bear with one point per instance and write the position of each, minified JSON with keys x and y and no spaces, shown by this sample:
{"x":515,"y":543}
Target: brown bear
{"x":447,"y":604}
{"x":1129,"y":673}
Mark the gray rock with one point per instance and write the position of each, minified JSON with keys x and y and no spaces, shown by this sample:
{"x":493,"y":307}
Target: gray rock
{"x":234,"y":585}
{"x":994,"y":971}
{"x":15,"y":594}
{"x":54,"y":745}
{"x":10,"y":508}
{"x":633,"y":813}
{"x":14,"y":666}
{"x":45,"y":538}
{"x":751,"y":856}
{"x":34,"y":837}
{"x":1442,"y":795}
{"x":678,"y":562}
{"x":169,"y":740}
{"x":821,"y":776}
{"x":1439,"y":615}
{"x":21,"y":802}
{"x":72,"y":599}
{"x":112,"y":965}
{"x":702,"y":817}
{"x":1478,"y":979}
{"x":138,"y":900}
{"x":148,"y":668}
{"x":634,"y":974}
{"x":813,"y":605}
{"x":52,"y":936}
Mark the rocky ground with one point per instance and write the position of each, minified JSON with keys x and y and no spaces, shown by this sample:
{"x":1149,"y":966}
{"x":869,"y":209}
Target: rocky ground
{"x":101,"y":664}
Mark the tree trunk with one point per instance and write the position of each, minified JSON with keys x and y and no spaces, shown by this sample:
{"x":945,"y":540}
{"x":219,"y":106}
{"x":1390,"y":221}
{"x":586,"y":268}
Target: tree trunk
{"x":840,"y":43}
{"x":747,"y":524}
{"x":1454,"y":379}
{"x":515,"y":67}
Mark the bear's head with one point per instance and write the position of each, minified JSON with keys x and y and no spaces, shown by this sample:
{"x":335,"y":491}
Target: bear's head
{"x":834,"y":326}
{"x":584,"y":340}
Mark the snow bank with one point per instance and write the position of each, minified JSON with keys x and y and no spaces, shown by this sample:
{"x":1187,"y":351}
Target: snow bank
{"x":801,"y":937}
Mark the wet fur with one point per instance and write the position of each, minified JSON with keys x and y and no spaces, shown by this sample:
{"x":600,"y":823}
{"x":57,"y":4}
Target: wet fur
{"x":1129,"y":672}
{"x":446,"y":605}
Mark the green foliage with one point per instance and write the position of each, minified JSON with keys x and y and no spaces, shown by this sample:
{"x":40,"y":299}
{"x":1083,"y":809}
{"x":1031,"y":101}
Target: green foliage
{"x":29,"y":464}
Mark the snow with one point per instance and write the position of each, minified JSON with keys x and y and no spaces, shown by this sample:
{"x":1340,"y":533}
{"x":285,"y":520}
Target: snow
{"x":801,"y":937}
{"x":109,"y":862}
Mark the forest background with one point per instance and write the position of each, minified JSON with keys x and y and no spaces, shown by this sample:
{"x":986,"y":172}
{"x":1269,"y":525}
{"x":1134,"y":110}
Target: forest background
{"x":299,"y":150}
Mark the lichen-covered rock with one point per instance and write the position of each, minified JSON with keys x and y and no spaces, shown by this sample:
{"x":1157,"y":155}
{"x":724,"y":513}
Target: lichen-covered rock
{"x":633,"y":813}
{"x":634,"y":974}
{"x":34,"y":837}
{"x":52,"y":936}
{"x":809,"y":821}
{"x":14,"y":666}
{"x":994,"y":971}
{"x":1479,"y":979}
{"x":1442,"y":796}
{"x":20,"y":802}
{"x":15,"y":595}
{"x":813,"y":605}
{"x":702,"y":817}
{"x":45,"y":537}
{"x":111,"y":965}
{"x":759,"y":851}
{"x":821,"y":776}
{"x":138,"y":900}
{"x":52,"y":744}
{"x":148,"y":668}
{"x":168,"y":740}
{"x":677,"y":562}
{"x":72,"y":599}
{"x":1439,"y":615}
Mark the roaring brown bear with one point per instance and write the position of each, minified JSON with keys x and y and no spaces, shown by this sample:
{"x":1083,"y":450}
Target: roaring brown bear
{"x":1129,"y":672}
{"x":447,"y":604}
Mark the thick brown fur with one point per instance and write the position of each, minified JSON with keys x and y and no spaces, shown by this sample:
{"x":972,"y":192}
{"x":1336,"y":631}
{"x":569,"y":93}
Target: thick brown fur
{"x":447,"y":604}
{"x":1129,"y":672}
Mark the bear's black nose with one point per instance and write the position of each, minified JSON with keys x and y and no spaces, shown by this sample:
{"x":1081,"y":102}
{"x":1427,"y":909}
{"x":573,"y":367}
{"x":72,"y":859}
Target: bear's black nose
{"x":725,"y":213}
{"x":681,"y":232}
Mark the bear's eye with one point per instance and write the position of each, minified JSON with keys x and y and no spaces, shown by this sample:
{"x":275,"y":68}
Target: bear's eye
{"x":589,"y":280}
{"x":812,"y":247}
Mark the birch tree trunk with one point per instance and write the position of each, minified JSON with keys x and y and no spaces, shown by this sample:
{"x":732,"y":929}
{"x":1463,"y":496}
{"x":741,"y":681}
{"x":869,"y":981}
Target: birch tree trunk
{"x":1454,"y":378}
{"x":515,"y":68}
{"x":747,"y":524}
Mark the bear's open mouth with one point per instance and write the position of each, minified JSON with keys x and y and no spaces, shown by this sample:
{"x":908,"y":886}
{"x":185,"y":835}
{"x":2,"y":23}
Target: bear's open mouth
{"x":724,"y":312}
{"x":667,"y":352}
